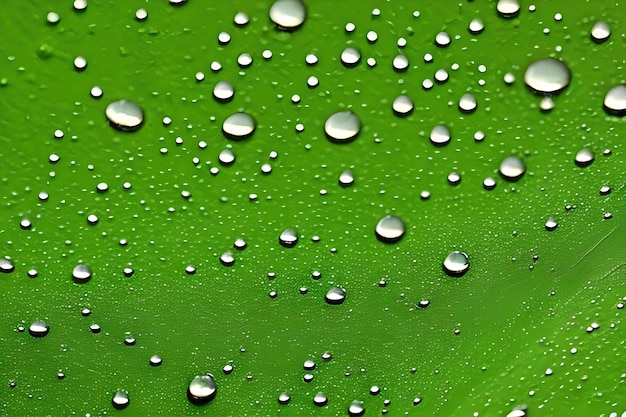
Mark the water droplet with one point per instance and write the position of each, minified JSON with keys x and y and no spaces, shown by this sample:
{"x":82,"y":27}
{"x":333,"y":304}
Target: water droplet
{"x":312,"y":81}
{"x":547,"y":76}
{"x":350,"y":57}
{"x":241,"y":19}
{"x":442,"y":39}
{"x":309,"y":365}
{"x":80,"y":63}
{"x":512,"y":168}
{"x":128,"y":272}
{"x":342,"y":126}
{"x":226,"y":157}
{"x":440,"y":135}
{"x":238,"y":126}
{"x":284,"y":398}
{"x":320,"y":399}
{"x":584,"y":157}
{"x":476,"y":26}
{"x":141,"y":14}
{"x":371,"y":36}
{"x":547,"y":104}
{"x":223,"y":38}
{"x":441,"y":76}
{"x":202,"y":389}
{"x":335,"y":295}
{"x":288,"y":15}
{"x":456,"y":264}
{"x":38,"y":329}
{"x":53,"y":18}
{"x":120,"y":399}
{"x":227,"y":259}
{"x":489,"y":183}
{"x":615,"y":100}
{"x":240,"y":244}
{"x":517,"y":412}
{"x":308,"y":378}
{"x":390,"y":229}
{"x":508,"y":8}
{"x":454,"y":178}
{"x":467,"y":103}
{"x":96,"y":92}
{"x":155,"y":360}
{"x":402,"y":105}
{"x":423,"y":303}
{"x":509,"y":78}
{"x":32,"y":273}
{"x":25,"y":224}
{"x":356,"y":409}
{"x":288,"y":238}
{"x":94,"y":328}
{"x":374,"y":390}
{"x":400,"y":63}
{"x":223,"y":91}
{"x":124,"y":115}
{"x":81,"y":273}
{"x":346,"y":178}
{"x":605,"y":190}
{"x":551,"y":224}
{"x":600,"y":32}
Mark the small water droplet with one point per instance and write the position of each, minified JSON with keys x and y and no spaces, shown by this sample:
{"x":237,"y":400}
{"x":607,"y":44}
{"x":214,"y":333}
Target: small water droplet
{"x":441,"y":76}
{"x":309,"y":365}
{"x":547,"y":104}
{"x":476,"y":26}
{"x":508,"y":8}
{"x":350,"y":57}
{"x":288,"y":15}
{"x":615,"y":100}
{"x":241,"y":19}
{"x":320,"y":399}
{"x":371,"y":36}
{"x":454,"y":178}
{"x":600,"y":32}
{"x":155,"y":360}
{"x":284,"y":398}
{"x":605,"y":190}
{"x":288,"y":238}
{"x":547,"y":76}
{"x":38,"y":329}
{"x":95,"y":328}
{"x":342,"y":126}
{"x":489,"y":183}
{"x":141,"y":14}
{"x":584,"y":157}
{"x":81,"y":273}
{"x":227,"y":259}
{"x":223,"y":38}
{"x":202,"y":389}
{"x":356,"y":409}
{"x":335,"y":295}
{"x":238,"y":126}
{"x":96,"y":92}
{"x":400,"y":63}
{"x":226,"y":157}
{"x":223,"y":91}
{"x":390,"y":229}
{"x":53,"y":18}
{"x":244,"y":60}
{"x":124,"y":115}
{"x":551,"y":224}
{"x":440,"y":135}
{"x":442,"y":39}
{"x":467,"y":103}
{"x":512,"y":168}
{"x":402,"y":105}
{"x":346,"y":178}
{"x":423,"y":303}
{"x":456,"y":264}
{"x":120,"y":399}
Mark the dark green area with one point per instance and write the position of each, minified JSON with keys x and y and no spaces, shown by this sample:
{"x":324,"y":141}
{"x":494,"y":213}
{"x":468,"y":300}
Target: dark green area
{"x":515,"y":321}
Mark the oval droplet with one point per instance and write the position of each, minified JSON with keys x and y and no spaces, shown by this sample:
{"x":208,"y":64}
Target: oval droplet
{"x":346,"y":178}
{"x":121,"y":399}
{"x":335,"y":295}
{"x":402,"y":105}
{"x":38,"y":329}
{"x":238,"y":126}
{"x":342,"y":126}
{"x":508,"y":8}
{"x":400,"y":63}
{"x":202,"y":389}
{"x":547,"y":76}
{"x":512,"y":168}
{"x":6,"y":266}
{"x":476,"y":26}
{"x":320,"y":399}
{"x":223,"y":91}
{"x":81,"y":273}
{"x":124,"y":115}
{"x":600,"y":32}
{"x":288,"y":15}
{"x":456,"y":264}
{"x":288,"y":238}
{"x":284,"y":398}
{"x":615,"y":100}
{"x":390,"y":229}
{"x":551,"y":224}
{"x":584,"y":157}
{"x":356,"y":409}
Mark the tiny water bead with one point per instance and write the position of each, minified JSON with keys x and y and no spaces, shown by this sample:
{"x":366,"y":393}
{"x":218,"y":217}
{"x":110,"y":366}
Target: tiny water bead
{"x":202,"y":389}
{"x":456,"y":264}
{"x":508,"y":8}
{"x":121,"y":399}
{"x":244,"y":60}
{"x":81,"y":273}
{"x":605,"y":190}
{"x":124,"y":115}
{"x":402,"y":105}
{"x":238,"y":126}
{"x":350,"y":57}
{"x":440,"y":135}
{"x":223,"y":38}
{"x":547,"y":76}
{"x":551,"y":224}
{"x":241,"y":19}
{"x":584,"y":157}
{"x":284,"y":398}
{"x":600,"y":32}
{"x":342,"y":126}
{"x":356,"y":409}
{"x":53,"y":18}
{"x":512,"y":168}
{"x":223,"y":91}
{"x":288,"y":238}
{"x":615,"y":100}
{"x":288,"y":15}
{"x":38,"y":329}
{"x":335,"y":295}
{"x":320,"y":399}
{"x":390,"y":229}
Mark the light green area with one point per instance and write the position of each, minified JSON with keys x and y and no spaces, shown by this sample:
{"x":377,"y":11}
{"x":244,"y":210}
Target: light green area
{"x":512,"y":328}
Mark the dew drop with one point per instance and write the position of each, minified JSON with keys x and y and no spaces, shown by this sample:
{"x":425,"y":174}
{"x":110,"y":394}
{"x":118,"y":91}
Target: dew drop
{"x":227,"y":259}
{"x":226,"y":157}
{"x":584,"y":157}
{"x":96,"y":92}
{"x":284,"y":398}
{"x":81,"y":273}
{"x":489,"y":183}
{"x":38,"y":329}
{"x":80,"y":63}
{"x":512,"y":168}
{"x":346,"y":178}
{"x":547,"y":104}
{"x":476,"y":26}
{"x":342,"y":126}
{"x":241,"y":19}
{"x":441,"y":76}
{"x":124,"y":115}
{"x":202,"y":389}
{"x":238,"y":126}
{"x":120,"y":399}
{"x":551,"y":224}
{"x":547,"y":76}
{"x":53,"y":18}
{"x":350,"y":57}
{"x":605,"y":190}
{"x":454,"y":178}
{"x":402,"y":105}
{"x":320,"y":399}
{"x":155,"y":360}
{"x":335,"y":295}
{"x":288,"y":15}
{"x":508,"y":8}
{"x":223,"y":91}
{"x":309,"y":365}
{"x":390,"y":229}
{"x":356,"y":409}
{"x":467,"y":103}
{"x":141,"y":14}
{"x":94,"y":328}
{"x":440,"y":135}
{"x":600,"y":32}
{"x":442,"y":39}
{"x":288,"y":238}
{"x":615,"y":100}
{"x":400,"y":63}
{"x":456,"y":264}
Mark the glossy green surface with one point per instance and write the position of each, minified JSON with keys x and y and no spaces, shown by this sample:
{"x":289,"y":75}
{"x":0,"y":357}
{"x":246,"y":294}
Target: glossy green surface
{"x":516,"y":316}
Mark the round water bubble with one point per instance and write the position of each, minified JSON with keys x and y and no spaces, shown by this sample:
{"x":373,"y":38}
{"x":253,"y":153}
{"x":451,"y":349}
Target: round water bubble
{"x":551,"y":224}
{"x":600,"y":32}
{"x":476,"y":26}
{"x":442,"y":39}
{"x":512,"y":168}
{"x":346,"y":178}
{"x":241,"y":19}
{"x":320,"y":399}
{"x":467,"y":103}
{"x":335,"y":295}
{"x":440,"y":135}
{"x":238,"y":126}
{"x":456,"y":264}
{"x":400,"y":63}
{"x":81,"y":273}
{"x":342,"y":126}
{"x":390,"y":229}
{"x":402,"y":105}
{"x":350,"y":57}
{"x":202,"y":389}
{"x":288,"y":15}
{"x":284,"y":398}
{"x":547,"y":76}
{"x":615,"y":100}
{"x":124,"y":115}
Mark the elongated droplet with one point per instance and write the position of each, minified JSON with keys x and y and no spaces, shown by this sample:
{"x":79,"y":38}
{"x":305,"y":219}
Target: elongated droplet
{"x":512,"y":168}
{"x":288,"y":238}
{"x":390,"y":229}
{"x":584,"y":157}
{"x":202,"y":389}
{"x":120,"y":399}
{"x":615,"y":100}
{"x":335,"y":295}
{"x":342,"y":126}
{"x":288,"y":15}
{"x":124,"y":115}
{"x":81,"y":274}
{"x":456,"y":264}
{"x":547,"y":76}
{"x":238,"y":126}
{"x":356,"y":409}
{"x":38,"y":329}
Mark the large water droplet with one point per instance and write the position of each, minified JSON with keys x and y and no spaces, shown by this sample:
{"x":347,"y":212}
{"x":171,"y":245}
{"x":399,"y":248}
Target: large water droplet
{"x":284,"y":398}
{"x":342,"y":126}
{"x":476,"y":26}
{"x":508,"y":8}
{"x":335,"y":295}
{"x":440,"y":135}
{"x":288,"y":15}
{"x":38,"y":329}
{"x":320,"y":399}
{"x":202,"y":389}
{"x":238,"y":126}
{"x":547,"y":76}
{"x":223,"y":91}
{"x":584,"y":157}
{"x":120,"y":399}
{"x":288,"y":238}
{"x":350,"y":57}
{"x":400,"y":63}
{"x":615,"y":100}
{"x":551,"y":224}
{"x":81,"y":273}
{"x":6,"y":266}
{"x":402,"y":105}
{"x":512,"y":168}
{"x":346,"y":178}
{"x":600,"y":32}
{"x":227,"y":259}
{"x":456,"y":264}
{"x":356,"y":409}
{"x":467,"y":103}
{"x":124,"y":115}
{"x":390,"y":229}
